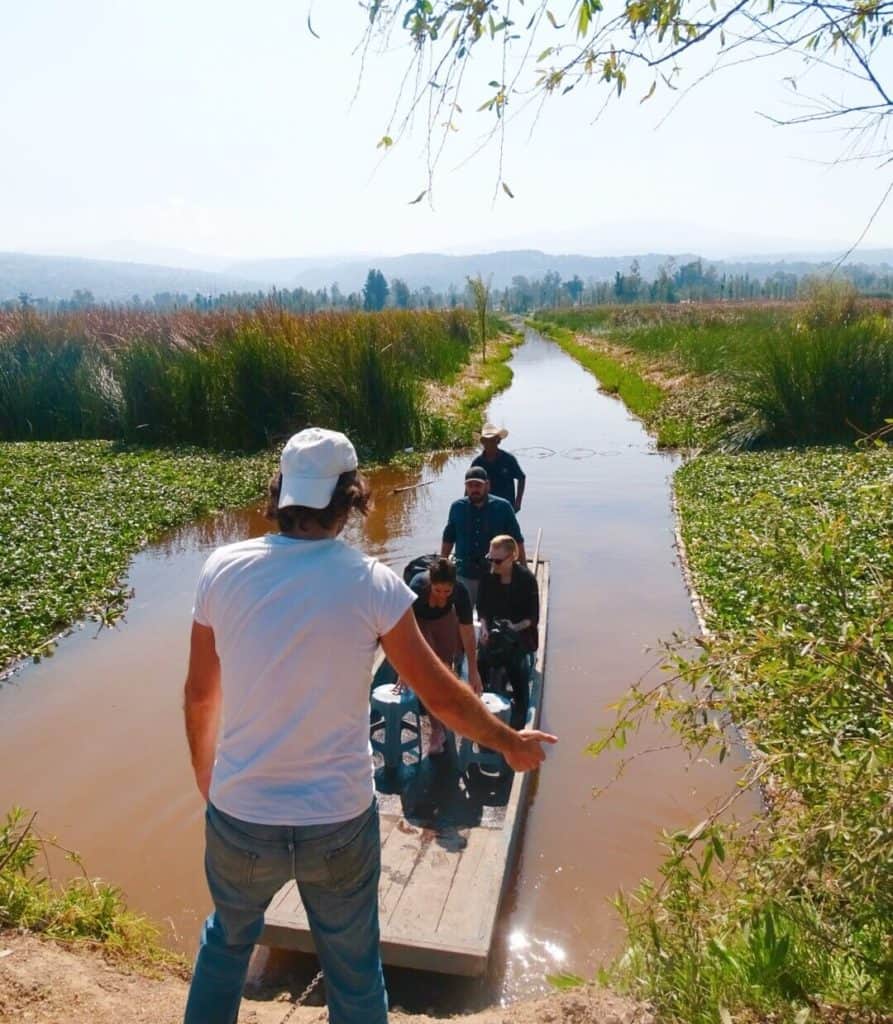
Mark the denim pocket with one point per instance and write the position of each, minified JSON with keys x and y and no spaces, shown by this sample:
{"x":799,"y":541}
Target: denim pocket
{"x":224,"y":858}
{"x":355,"y":856}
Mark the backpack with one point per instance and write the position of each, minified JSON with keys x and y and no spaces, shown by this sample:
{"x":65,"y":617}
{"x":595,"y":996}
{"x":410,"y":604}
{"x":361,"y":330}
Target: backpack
{"x":504,"y":644}
{"x":421,"y":563}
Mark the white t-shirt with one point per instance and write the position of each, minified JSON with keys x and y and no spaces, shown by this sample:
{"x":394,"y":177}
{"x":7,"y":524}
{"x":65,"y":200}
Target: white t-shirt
{"x":296,"y":625}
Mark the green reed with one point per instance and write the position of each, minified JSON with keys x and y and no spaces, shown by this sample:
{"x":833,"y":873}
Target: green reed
{"x":234,"y":381}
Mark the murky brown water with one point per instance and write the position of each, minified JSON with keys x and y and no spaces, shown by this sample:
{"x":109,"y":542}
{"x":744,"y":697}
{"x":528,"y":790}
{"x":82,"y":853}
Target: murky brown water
{"x":92,"y":738}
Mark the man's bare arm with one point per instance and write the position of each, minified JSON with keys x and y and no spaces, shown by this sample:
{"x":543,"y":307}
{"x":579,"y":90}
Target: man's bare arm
{"x":453,"y":702}
{"x":202,"y":698}
{"x":446,"y":549}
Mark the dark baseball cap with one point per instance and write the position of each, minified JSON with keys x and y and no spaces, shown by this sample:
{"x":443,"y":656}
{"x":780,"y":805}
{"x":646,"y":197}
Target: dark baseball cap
{"x":477,"y":473}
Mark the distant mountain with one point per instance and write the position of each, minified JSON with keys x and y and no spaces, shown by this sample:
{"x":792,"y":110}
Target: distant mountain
{"x":57,"y":277}
{"x":438,"y":271}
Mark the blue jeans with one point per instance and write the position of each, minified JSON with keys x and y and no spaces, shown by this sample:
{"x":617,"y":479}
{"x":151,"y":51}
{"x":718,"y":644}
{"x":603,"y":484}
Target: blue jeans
{"x":336,"y":867}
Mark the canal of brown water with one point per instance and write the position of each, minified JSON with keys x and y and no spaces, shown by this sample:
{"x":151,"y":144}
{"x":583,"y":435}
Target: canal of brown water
{"x":92,"y":737}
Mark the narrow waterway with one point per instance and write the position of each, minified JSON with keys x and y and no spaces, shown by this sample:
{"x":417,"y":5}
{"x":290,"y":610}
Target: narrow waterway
{"x":92,"y":737}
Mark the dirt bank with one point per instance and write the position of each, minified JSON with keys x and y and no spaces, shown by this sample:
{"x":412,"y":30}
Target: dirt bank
{"x":42,"y":982}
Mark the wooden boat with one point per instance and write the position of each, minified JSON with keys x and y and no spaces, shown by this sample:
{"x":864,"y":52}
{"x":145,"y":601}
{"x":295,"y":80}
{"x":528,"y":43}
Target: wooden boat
{"x":448,"y":845}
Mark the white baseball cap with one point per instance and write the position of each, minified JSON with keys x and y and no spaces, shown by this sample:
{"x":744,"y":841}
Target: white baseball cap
{"x":311,"y":463}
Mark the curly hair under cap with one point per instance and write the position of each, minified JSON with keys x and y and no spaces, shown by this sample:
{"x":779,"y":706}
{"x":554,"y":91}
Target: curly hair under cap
{"x":352,"y":494}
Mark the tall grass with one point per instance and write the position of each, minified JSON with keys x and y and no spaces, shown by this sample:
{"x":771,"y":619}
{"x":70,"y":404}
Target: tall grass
{"x":823,"y":383}
{"x":224,"y":380}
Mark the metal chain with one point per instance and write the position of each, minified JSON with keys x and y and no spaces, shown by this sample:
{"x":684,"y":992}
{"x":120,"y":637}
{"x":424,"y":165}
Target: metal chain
{"x":302,"y":998}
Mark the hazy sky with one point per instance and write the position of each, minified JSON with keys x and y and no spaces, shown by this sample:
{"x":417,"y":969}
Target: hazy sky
{"x":226,"y":128}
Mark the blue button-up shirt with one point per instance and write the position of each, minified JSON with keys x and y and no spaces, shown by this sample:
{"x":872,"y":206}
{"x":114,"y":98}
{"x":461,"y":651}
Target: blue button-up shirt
{"x":471,"y":528}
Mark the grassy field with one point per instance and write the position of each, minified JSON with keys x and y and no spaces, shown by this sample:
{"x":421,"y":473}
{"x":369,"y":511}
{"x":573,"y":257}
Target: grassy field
{"x":791,"y":551}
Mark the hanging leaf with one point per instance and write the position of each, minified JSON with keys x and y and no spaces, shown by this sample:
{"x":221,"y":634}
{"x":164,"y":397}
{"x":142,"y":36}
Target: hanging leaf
{"x":650,"y":92}
{"x":310,"y":28}
{"x":385,"y":142}
{"x":508,"y":191}
{"x":418,"y":198}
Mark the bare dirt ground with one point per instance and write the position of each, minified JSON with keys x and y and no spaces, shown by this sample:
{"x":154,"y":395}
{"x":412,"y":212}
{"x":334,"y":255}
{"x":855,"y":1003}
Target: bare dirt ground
{"x":42,"y":982}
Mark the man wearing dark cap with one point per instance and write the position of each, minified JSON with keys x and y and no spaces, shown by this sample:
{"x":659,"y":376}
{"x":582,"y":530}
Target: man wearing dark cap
{"x":472,"y":523}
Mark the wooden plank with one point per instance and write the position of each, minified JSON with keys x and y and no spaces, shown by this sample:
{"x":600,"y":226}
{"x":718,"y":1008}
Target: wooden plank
{"x":399,"y":857}
{"x":464,"y":914}
{"x":420,"y":905}
{"x":438,"y":907}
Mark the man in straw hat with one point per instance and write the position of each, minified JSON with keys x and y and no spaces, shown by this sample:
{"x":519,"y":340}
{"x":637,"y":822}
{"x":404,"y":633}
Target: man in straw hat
{"x":501,"y":466}
{"x":285,"y":628}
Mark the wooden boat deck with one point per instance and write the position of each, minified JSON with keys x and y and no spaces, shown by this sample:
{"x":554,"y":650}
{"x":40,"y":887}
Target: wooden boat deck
{"x":447,"y":848}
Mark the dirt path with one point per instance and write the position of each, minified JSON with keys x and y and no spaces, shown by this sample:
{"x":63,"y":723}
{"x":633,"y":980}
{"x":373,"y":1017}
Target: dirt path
{"x":42,"y":982}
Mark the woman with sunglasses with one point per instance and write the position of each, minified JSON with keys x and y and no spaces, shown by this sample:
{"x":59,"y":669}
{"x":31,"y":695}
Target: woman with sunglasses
{"x":509,"y":592}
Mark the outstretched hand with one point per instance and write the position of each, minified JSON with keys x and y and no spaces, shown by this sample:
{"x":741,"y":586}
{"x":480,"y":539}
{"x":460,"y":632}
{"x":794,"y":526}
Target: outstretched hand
{"x":527,"y":752}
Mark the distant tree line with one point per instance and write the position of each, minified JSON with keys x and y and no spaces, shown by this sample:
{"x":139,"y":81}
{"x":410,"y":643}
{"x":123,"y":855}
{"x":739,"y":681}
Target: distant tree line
{"x":696,"y":281}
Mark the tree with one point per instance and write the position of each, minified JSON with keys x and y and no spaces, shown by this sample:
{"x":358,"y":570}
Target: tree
{"x":375,"y":291}
{"x":480,"y":294}
{"x":401,"y":294}
{"x":574,"y":289}
{"x":644,"y":44}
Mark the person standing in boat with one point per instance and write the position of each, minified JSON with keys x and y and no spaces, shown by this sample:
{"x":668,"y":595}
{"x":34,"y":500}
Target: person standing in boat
{"x":501,"y":467}
{"x":473,"y":521}
{"x":276,"y":704}
{"x":509,"y":593}
{"x":443,"y":611}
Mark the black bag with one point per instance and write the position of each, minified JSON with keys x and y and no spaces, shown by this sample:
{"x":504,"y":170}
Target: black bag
{"x":421,"y":563}
{"x":504,"y":645}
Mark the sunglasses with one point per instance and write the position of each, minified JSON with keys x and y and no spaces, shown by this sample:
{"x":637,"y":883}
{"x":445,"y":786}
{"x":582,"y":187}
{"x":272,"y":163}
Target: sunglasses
{"x":497,"y":561}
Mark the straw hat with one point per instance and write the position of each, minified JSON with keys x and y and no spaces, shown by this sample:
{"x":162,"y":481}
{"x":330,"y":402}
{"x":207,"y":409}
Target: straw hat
{"x":488,"y":431}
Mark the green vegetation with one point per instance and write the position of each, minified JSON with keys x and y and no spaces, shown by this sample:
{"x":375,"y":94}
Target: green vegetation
{"x":233,"y":382}
{"x":75,"y":512}
{"x":82,"y":910}
{"x":791,"y":552}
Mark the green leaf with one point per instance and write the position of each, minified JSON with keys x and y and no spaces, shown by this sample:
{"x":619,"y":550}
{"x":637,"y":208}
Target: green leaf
{"x":418,"y":198}
{"x":565,"y":980}
{"x":385,"y":142}
{"x":508,"y":191}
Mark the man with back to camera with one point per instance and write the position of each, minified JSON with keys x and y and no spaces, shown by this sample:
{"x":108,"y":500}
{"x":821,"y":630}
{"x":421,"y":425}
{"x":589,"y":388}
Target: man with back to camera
{"x":276,"y":703}
{"x":474,"y":521}
{"x":501,"y":466}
